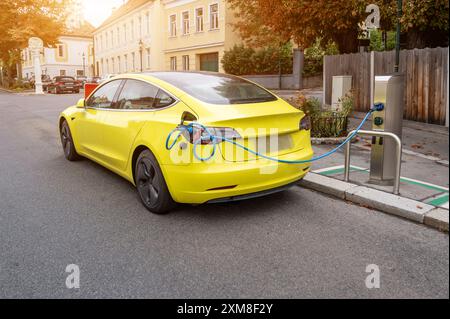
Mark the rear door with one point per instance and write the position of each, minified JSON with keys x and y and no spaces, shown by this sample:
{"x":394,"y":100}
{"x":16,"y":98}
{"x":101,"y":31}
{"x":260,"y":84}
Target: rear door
{"x":121,"y":124}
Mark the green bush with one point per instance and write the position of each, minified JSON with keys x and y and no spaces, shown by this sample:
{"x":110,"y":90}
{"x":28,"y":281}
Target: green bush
{"x":241,"y":60}
{"x":325,"y":122}
{"x":313,"y":62}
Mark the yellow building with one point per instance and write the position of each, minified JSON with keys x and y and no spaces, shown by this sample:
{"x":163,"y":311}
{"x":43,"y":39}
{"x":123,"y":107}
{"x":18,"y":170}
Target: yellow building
{"x":197,"y":33}
{"x":164,"y":35}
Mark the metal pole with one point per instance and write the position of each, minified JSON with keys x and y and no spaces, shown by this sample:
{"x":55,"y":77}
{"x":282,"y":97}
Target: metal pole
{"x":372,"y":78}
{"x":347,"y":162}
{"x":398,"y":162}
{"x":84,"y":65}
{"x":397,"y":36}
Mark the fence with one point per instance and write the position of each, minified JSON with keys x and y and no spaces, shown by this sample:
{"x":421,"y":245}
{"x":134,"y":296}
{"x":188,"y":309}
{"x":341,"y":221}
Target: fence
{"x":426,"y":76}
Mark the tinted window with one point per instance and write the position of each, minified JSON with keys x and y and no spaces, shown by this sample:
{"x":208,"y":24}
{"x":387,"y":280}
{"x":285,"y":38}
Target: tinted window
{"x":137,"y":95}
{"x":216,"y":88}
{"x":163,"y":99}
{"x":104,"y":96}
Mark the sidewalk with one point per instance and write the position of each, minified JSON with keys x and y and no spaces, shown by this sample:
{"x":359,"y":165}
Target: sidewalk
{"x":424,"y":187}
{"x":424,"y":184}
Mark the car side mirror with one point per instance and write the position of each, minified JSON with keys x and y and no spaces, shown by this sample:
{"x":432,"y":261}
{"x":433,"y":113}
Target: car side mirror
{"x":81,"y":103}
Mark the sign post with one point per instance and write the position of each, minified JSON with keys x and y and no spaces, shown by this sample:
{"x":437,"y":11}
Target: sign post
{"x":36,"y":46}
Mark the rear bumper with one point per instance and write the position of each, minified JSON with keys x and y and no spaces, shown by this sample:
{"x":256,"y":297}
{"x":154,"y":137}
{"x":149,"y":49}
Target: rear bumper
{"x":199,"y":183}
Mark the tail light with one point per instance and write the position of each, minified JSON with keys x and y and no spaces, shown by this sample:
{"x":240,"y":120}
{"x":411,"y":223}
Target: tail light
{"x":305,"y":123}
{"x":204,"y":134}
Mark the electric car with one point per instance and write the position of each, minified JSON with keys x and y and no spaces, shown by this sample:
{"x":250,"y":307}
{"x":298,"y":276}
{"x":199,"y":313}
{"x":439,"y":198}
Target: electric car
{"x":125,"y":125}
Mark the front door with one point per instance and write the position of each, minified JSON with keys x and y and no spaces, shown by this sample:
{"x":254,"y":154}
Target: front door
{"x":209,"y":62}
{"x":88,"y":123}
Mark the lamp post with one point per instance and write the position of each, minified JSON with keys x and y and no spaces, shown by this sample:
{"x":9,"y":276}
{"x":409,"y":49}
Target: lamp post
{"x":84,"y":64}
{"x":141,"y":50}
{"x":397,"y":36}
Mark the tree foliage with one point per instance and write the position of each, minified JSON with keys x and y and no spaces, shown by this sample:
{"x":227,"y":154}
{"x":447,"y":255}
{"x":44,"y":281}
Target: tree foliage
{"x":306,"y":20}
{"x":22,"y":19}
{"x":241,"y":60}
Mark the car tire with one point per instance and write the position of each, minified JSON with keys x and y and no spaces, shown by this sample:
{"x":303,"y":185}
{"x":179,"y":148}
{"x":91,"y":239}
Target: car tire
{"x":70,"y":152}
{"x":151,"y":185}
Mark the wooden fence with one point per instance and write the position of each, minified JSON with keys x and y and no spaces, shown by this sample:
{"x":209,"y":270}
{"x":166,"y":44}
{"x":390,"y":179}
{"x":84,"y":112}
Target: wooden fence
{"x":426,"y":75}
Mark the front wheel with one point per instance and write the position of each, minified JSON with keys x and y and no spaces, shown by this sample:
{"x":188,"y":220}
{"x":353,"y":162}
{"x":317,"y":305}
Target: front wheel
{"x":67,"y":143}
{"x":151,"y":186}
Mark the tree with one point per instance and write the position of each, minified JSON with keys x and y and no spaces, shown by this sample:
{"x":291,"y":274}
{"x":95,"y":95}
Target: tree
{"x":302,"y":21}
{"x":306,"y":20}
{"x":22,"y":19}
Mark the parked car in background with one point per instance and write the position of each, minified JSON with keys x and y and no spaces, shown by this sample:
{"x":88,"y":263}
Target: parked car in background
{"x":81,"y":80}
{"x":61,"y":84}
{"x":106,"y":77}
{"x":95,"y":79}
{"x":45,"y":79}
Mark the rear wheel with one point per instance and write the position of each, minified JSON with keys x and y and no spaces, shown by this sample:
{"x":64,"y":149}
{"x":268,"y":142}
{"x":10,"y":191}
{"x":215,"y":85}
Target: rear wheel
{"x":67,"y":143}
{"x":151,"y":186}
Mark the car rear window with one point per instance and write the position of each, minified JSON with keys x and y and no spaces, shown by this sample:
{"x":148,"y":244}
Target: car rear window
{"x":65,"y":79}
{"x":220,"y":89}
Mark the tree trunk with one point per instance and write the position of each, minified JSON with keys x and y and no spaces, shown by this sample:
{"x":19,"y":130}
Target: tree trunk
{"x":416,"y":39}
{"x":347,"y":41}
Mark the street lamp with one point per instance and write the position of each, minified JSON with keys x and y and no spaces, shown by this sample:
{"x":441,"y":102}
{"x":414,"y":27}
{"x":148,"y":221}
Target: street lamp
{"x":84,"y":64}
{"x":141,"y":50}
{"x":397,"y":37}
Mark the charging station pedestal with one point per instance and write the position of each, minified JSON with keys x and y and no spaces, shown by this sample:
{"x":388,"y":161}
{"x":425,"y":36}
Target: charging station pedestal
{"x":389,"y":90}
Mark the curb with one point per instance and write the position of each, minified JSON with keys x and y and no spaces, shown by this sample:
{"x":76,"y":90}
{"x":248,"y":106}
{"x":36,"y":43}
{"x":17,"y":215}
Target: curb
{"x":327,"y":140}
{"x":386,"y":202}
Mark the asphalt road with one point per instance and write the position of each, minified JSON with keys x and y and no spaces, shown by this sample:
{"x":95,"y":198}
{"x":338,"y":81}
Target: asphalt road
{"x":296,"y":244}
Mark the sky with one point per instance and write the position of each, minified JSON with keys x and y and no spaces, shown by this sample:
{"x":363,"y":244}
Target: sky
{"x":96,"y":11}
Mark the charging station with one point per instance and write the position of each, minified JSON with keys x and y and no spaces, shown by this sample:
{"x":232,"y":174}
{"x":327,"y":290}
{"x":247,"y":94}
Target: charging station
{"x":388,"y":90}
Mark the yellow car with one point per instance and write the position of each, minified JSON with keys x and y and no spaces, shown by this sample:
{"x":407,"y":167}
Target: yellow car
{"x":125,"y":122}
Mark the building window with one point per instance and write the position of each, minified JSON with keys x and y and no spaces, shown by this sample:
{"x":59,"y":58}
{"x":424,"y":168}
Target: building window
{"x":140,"y":27}
{"x":101,"y":43}
{"x":125,"y":59}
{"x":132,"y":30}
{"x":80,"y":72}
{"x":185,"y":62}
{"x":60,"y":50}
{"x":118,"y":36}
{"x":173,"y":63}
{"x":173,"y":25}
{"x":199,"y":20}
{"x":147,"y":23}
{"x":107,"y":66}
{"x":148,"y":59}
{"x":62,"y":72}
{"x":214,"y":16}
{"x":124,"y":33}
{"x":113,"y":65}
{"x":185,"y":25}
{"x":133,"y":61}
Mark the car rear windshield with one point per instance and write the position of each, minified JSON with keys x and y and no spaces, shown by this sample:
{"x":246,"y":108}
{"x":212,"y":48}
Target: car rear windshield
{"x":215,"y":88}
{"x":65,"y":79}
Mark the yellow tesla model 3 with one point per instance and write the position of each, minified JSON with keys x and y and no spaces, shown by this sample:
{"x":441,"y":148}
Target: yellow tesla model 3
{"x":124,"y":125}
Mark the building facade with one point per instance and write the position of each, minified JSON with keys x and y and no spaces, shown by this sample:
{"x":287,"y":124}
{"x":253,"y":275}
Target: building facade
{"x":73,"y":55}
{"x":129,"y":40}
{"x":164,"y":35}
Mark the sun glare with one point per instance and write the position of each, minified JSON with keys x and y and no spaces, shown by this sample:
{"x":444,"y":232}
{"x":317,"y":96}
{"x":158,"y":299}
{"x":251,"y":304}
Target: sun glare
{"x":97,"y":11}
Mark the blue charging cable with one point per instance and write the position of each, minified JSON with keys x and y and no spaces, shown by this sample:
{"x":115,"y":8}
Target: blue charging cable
{"x":214,"y":140}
